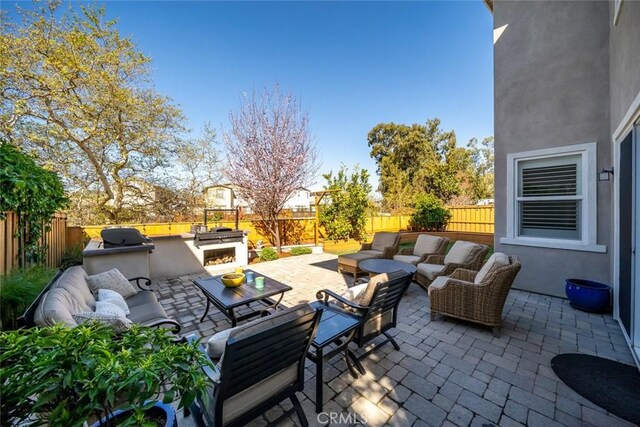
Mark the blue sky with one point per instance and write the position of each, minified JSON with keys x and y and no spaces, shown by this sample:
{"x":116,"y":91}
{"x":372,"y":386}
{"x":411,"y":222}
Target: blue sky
{"x":352,"y":65}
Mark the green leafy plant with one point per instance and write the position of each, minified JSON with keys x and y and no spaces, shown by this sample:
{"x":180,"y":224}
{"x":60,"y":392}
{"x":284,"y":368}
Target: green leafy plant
{"x":31,"y":191}
{"x":430,"y":214}
{"x":71,"y":256}
{"x":18,"y":289}
{"x":63,"y":376}
{"x":344,"y":215}
{"x":269,"y":254}
{"x":300,"y":250}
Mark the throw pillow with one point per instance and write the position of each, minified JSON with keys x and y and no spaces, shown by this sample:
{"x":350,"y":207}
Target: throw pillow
{"x":109,"y":309}
{"x":114,"y":298}
{"x":113,"y":280}
{"x":120,"y":324}
{"x":217,"y":343}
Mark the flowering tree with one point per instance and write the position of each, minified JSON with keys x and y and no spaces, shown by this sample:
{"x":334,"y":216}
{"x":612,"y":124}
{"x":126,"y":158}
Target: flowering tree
{"x":270,"y":153}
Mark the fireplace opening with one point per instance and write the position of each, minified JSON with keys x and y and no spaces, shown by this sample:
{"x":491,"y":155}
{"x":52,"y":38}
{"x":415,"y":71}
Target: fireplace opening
{"x":219,"y":256}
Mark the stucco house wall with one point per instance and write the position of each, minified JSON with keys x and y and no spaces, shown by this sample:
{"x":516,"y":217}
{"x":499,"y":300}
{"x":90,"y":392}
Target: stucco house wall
{"x":551,"y":89}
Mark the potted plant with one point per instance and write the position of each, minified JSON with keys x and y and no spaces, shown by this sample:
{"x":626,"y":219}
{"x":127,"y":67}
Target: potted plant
{"x":68,"y":376}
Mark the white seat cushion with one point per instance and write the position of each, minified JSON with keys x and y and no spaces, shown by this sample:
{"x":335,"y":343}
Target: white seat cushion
{"x":406,"y":258}
{"x":426,"y":244}
{"x":429,"y":270}
{"x":438,"y":283}
{"x":495,"y":261}
{"x":462,"y":252}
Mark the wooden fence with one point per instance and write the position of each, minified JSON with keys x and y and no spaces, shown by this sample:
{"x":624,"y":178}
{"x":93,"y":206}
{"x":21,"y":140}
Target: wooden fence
{"x":474,"y":219}
{"x":54,"y":240}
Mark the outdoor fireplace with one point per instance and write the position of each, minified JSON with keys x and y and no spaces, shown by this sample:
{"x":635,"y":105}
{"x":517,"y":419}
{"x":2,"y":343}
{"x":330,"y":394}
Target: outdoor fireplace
{"x":219,"y":256}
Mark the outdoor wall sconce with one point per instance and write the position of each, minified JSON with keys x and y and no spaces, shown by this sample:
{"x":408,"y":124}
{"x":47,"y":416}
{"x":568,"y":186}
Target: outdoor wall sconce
{"x":605,"y":174}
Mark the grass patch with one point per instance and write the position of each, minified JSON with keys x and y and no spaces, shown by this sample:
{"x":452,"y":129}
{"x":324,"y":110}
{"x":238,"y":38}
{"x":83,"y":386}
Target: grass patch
{"x":18,"y":290}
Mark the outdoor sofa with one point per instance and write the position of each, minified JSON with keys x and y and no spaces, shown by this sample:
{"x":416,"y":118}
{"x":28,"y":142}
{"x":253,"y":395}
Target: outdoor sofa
{"x":384,"y":245}
{"x":425,"y":246}
{"x":476,"y":296}
{"x":68,"y":294}
{"x":462,"y":254}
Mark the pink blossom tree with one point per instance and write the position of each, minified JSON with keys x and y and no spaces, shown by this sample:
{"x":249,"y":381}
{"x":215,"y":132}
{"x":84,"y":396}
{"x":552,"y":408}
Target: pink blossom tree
{"x":270,"y":153}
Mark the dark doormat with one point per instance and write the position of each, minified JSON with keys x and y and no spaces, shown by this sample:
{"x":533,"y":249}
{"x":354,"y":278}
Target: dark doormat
{"x":611,"y":385}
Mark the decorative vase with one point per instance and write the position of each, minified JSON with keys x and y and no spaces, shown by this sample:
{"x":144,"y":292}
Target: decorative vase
{"x":588,"y":295}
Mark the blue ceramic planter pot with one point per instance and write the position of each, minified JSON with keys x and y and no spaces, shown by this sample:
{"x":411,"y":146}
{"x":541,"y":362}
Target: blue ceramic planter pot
{"x":172,"y":421}
{"x":588,"y":295}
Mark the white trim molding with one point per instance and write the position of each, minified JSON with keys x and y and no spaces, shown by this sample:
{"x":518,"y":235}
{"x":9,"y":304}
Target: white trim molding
{"x":588,"y":177}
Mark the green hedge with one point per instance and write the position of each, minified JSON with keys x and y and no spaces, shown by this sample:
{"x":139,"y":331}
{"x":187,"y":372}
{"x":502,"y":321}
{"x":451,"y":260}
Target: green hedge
{"x":18,"y":290}
{"x":300,"y":250}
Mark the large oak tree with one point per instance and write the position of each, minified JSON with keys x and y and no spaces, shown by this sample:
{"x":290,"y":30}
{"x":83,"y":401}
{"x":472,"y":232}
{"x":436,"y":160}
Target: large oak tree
{"x":79,"y":95}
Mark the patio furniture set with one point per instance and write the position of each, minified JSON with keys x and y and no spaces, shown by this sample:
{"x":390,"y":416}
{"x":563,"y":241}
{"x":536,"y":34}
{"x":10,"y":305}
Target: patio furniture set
{"x":261,"y":363}
{"x":471,"y":291}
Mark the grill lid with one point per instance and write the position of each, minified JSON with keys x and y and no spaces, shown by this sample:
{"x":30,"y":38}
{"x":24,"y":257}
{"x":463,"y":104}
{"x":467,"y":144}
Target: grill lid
{"x":125,"y":236}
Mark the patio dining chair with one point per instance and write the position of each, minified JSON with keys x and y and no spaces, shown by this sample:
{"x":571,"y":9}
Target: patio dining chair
{"x":476,"y":296}
{"x":426,"y":245}
{"x":258,"y":365}
{"x":462,"y":254}
{"x":384,"y":245}
{"x":376,"y":302}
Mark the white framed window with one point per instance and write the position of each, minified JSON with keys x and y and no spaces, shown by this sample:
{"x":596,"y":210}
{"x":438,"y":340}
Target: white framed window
{"x":551,"y":198}
{"x":219,"y":193}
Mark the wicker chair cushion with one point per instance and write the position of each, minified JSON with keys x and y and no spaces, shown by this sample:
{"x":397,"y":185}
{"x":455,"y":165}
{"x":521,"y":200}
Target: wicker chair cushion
{"x":426,"y":244}
{"x":462,"y":252}
{"x":495,"y":261}
{"x":430,"y":270}
{"x":354,"y":259}
{"x":383,"y":240}
{"x":406,"y":258}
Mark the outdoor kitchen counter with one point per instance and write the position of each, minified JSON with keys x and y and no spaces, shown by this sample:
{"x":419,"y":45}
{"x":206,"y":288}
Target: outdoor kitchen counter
{"x":132,"y":261}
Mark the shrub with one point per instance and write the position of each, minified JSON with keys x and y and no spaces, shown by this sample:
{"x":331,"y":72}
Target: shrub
{"x":269,"y":254}
{"x":62,"y":376}
{"x":300,"y":250}
{"x":430,"y":214}
{"x":72,"y":256}
{"x":18,"y":290}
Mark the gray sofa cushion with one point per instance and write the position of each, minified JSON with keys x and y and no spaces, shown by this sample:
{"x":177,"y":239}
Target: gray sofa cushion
{"x":74,"y":280}
{"x":57,"y":306}
{"x":146,"y":313}
{"x":383,"y":240}
{"x":141,"y":298}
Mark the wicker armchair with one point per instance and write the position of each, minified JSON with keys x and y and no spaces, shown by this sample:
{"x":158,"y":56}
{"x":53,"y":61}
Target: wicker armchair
{"x":476,"y":296}
{"x":426,"y":245}
{"x":384,"y":245}
{"x":467,"y":255}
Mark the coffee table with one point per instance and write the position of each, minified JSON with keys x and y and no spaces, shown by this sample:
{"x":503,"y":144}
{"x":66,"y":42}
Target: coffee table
{"x":379,"y":266}
{"x":227,"y":299}
{"x":336,"y":327}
